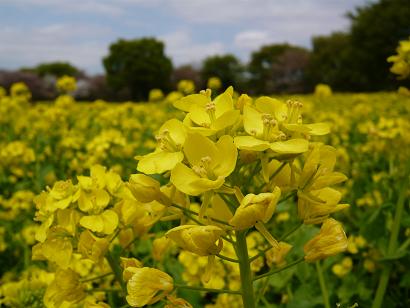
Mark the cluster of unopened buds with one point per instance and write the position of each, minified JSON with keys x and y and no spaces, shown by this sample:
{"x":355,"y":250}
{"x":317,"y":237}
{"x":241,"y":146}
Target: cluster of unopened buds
{"x":238,"y":158}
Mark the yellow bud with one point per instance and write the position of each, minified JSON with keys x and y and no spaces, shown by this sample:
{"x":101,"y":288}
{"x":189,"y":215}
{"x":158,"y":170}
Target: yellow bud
{"x":144,"y":188}
{"x":200,"y":240}
{"x":255,"y":208}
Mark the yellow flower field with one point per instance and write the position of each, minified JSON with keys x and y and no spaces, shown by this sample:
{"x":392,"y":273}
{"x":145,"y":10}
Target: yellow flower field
{"x":211,"y":199}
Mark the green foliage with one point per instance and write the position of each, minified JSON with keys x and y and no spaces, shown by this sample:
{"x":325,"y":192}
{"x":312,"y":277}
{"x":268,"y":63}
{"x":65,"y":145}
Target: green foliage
{"x":138,"y":66}
{"x":376,"y":31}
{"x":226,"y":67}
{"x":57,"y":69}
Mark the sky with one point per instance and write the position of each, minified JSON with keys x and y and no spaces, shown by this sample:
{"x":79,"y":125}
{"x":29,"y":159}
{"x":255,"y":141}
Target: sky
{"x":80,"y":31}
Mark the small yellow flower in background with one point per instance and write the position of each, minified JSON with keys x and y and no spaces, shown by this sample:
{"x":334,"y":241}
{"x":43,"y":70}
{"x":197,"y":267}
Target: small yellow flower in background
{"x":401,"y":61}
{"x":148,"y":286}
{"x":3,"y":92}
{"x":276,"y":255}
{"x":255,"y":208}
{"x":210,"y":163}
{"x":343,"y":268}
{"x":20,"y":91}
{"x":155,"y":95}
{"x":282,"y":217}
{"x":214,"y":83}
{"x":323,"y":90}
{"x":330,"y":241}
{"x":369,"y":265}
{"x":66,"y":84}
{"x":186,"y":86}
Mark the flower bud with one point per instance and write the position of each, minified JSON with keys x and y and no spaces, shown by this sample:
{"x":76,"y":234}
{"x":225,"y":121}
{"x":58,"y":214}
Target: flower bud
{"x":144,"y":188}
{"x":255,"y":208}
{"x":197,"y":239}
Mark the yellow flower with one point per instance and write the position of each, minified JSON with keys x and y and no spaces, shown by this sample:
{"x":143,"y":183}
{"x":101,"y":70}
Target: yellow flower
{"x":155,"y":95}
{"x":66,"y":287}
{"x":56,"y":248}
{"x":171,"y":138}
{"x":276,"y":255}
{"x":147,"y":286}
{"x":314,"y":207}
{"x":318,"y":171}
{"x":105,"y":223}
{"x":92,"y":247}
{"x":209,"y":117}
{"x":66,"y":84}
{"x":200,"y":240}
{"x":210,"y":164}
{"x":255,"y":208}
{"x":186,"y":86}
{"x":343,"y":268}
{"x":61,"y":195}
{"x":330,"y":241}
{"x":144,"y":188}
{"x":323,"y":90}
{"x":214,"y":83}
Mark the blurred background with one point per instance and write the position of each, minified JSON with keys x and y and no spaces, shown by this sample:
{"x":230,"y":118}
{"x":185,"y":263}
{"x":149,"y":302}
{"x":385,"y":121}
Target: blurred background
{"x":119,"y":50}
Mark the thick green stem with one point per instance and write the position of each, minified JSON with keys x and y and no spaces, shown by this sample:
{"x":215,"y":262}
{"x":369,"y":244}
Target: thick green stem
{"x":385,"y":275}
{"x":115,"y":266}
{"x":248,"y":297}
{"x":200,"y":289}
{"x":323,"y":288}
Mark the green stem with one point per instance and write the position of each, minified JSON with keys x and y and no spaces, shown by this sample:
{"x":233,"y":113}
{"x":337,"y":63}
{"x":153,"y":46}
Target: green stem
{"x":201,"y":289}
{"x":325,"y":293}
{"x":97,"y":277}
{"x":115,"y":266}
{"x":248,"y":297}
{"x":227,"y":258}
{"x":385,"y":275}
{"x":279,"y":269}
{"x":197,"y":214}
{"x":282,"y":238}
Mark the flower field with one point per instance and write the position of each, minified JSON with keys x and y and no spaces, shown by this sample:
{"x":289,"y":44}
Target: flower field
{"x":213,"y":199}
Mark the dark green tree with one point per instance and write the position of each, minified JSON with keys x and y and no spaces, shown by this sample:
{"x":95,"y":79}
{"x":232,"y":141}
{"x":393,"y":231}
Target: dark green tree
{"x":226,"y":67}
{"x":376,"y":30}
{"x":330,"y":62}
{"x":56,"y":69}
{"x":269,"y":64}
{"x":138,"y":66}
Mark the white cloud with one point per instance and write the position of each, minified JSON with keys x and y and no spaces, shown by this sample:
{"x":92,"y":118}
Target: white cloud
{"x":55,"y":42}
{"x":181,"y":47}
{"x":248,"y":40}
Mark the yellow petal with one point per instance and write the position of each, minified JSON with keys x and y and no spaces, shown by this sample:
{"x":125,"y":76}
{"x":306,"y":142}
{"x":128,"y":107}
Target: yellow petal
{"x":251,"y":143}
{"x":292,"y":146}
{"x":159,"y":162}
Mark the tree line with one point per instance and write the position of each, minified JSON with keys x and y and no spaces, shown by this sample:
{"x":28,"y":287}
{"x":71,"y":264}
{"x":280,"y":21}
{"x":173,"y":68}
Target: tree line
{"x":354,"y":60}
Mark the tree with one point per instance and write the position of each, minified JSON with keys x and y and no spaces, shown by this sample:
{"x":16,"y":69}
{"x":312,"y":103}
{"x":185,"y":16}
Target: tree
{"x":277,"y":68}
{"x":330,"y":62}
{"x":138,"y":66}
{"x":56,"y":69}
{"x":376,"y":30}
{"x":226,"y":67}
